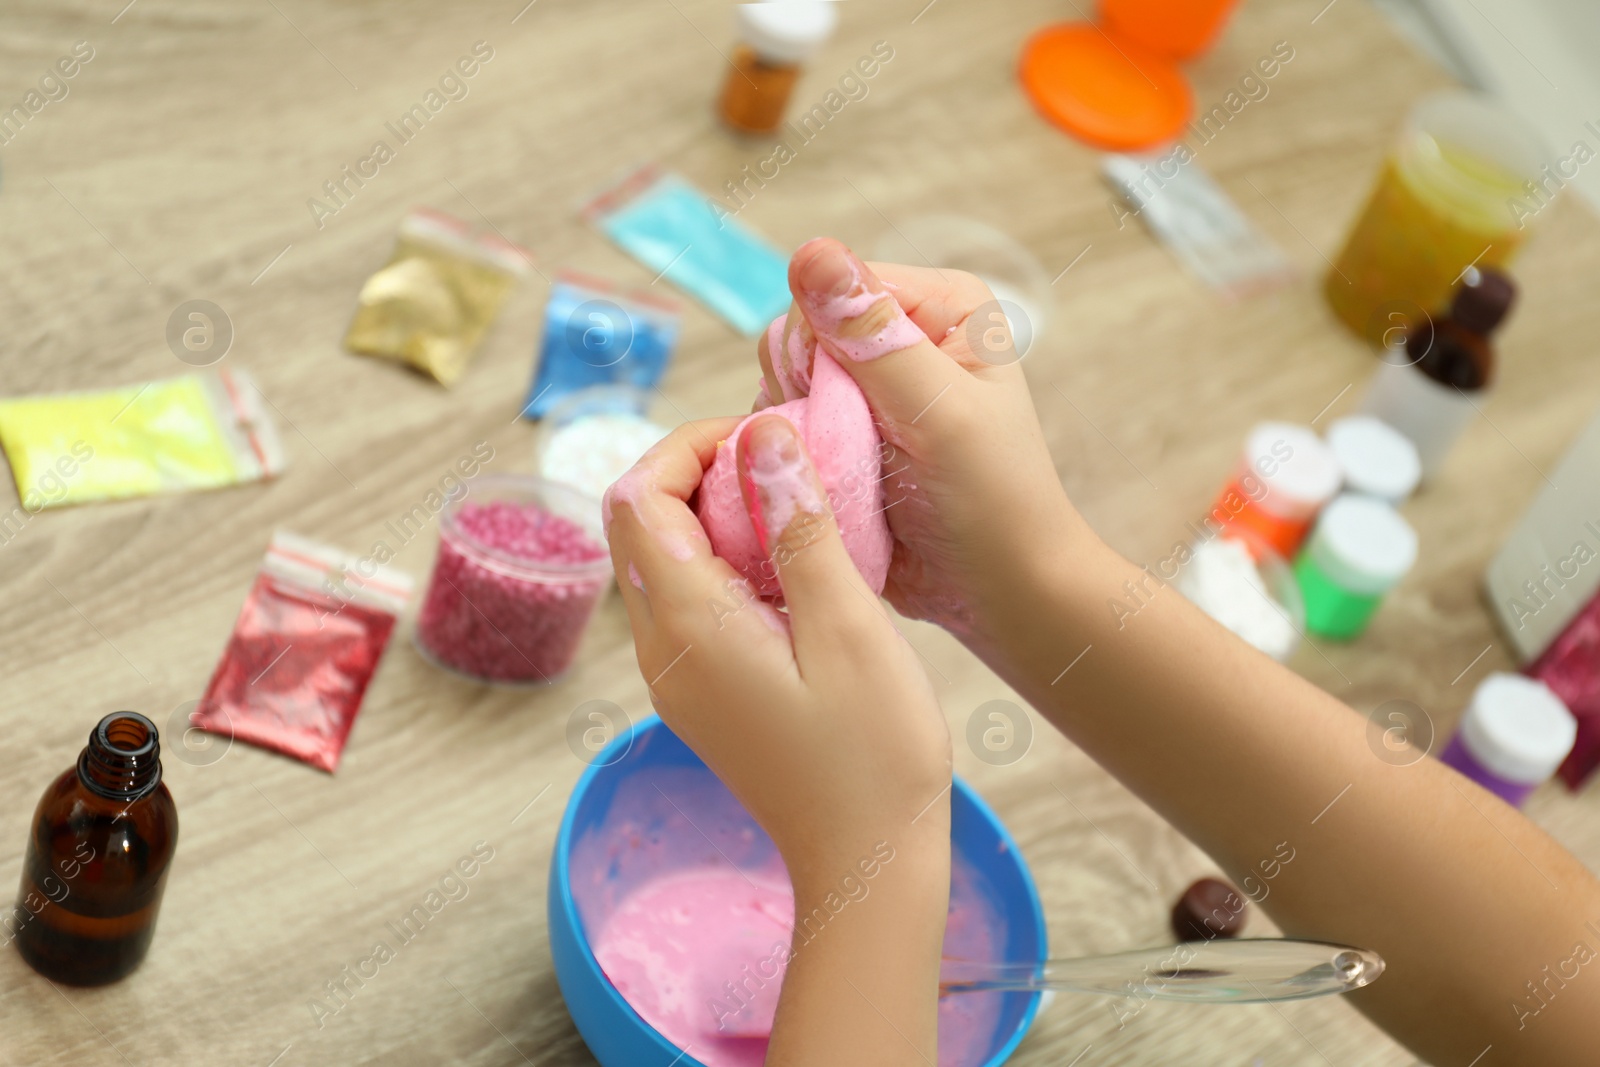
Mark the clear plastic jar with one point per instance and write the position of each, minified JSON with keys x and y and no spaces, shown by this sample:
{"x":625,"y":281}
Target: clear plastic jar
{"x":1443,"y":202}
{"x":1247,"y":587}
{"x":522,"y":564}
{"x":589,"y":438}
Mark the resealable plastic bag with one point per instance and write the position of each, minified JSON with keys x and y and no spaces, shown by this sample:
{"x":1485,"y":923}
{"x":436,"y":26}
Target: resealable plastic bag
{"x":671,"y":227}
{"x":195,"y":431}
{"x":431,"y":304}
{"x":597,"y":334}
{"x":303,"y":650}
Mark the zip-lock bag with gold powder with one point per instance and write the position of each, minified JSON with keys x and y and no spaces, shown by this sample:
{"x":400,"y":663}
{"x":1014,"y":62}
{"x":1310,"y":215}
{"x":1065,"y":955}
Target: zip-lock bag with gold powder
{"x":435,"y":299}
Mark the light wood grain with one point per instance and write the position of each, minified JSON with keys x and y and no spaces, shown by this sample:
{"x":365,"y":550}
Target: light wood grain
{"x":179,"y":167}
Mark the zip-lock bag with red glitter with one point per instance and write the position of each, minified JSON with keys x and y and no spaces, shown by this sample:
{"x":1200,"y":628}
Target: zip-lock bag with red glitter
{"x":303,"y":650}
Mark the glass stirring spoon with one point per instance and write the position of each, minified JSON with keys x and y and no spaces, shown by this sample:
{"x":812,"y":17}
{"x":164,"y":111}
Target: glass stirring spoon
{"x":1209,"y":972}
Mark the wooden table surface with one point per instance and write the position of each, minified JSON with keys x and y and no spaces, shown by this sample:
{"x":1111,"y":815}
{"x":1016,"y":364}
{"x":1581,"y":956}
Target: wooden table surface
{"x":180,"y":166}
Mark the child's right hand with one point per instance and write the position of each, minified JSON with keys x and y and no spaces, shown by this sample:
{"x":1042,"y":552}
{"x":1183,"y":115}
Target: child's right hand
{"x":822,"y":723}
{"x":821,"y":720}
{"x":972,"y":495}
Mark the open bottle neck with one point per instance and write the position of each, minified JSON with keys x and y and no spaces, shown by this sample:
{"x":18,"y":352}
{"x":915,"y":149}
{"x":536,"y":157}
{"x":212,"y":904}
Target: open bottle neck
{"x":122,"y":760}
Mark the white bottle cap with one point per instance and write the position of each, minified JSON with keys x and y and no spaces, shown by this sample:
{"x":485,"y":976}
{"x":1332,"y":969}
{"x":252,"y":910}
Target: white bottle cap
{"x":1363,"y":544}
{"x":1517,"y":728}
{"x":787,"y":31}
{"x":1297,"y":468}
{"x":1376,"y":458}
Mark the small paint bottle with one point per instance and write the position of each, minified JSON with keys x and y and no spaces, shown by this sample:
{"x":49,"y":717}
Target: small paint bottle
{"x":1513,"y":736}
{"x":775,"y":38}
{"x":1360,"y":549}
{"x":1285,"y":476}
{"x":1375,"y":458}
{"x":1431,"y":383}
{"x":99,"y":848}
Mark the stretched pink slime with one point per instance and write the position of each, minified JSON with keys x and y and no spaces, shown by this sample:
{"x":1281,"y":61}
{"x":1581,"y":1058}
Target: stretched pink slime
{"x":836,"y":427}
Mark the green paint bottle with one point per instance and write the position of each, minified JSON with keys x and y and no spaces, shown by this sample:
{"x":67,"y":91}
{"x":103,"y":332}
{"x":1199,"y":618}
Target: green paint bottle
{"x":1359,"y":550}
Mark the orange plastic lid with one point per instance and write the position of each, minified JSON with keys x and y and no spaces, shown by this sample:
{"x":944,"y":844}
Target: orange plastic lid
{"x":1110,"y":93}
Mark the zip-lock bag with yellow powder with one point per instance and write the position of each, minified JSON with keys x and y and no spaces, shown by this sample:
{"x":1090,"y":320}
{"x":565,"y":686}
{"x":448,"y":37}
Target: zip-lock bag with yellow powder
{"x":197,"y":431}
{"x":435,"y":299}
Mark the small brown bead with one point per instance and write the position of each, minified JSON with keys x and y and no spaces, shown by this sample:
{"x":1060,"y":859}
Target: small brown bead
{"x":1209,"y":909}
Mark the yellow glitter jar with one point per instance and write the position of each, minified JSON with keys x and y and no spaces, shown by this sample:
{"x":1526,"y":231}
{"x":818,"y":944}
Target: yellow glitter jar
{"x":1446,"y":199}
{"x":198,"y":431}
{"x":432,"y":303}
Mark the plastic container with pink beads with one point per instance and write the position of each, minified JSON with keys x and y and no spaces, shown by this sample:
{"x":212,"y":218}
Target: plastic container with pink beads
{"x":522,"y":564}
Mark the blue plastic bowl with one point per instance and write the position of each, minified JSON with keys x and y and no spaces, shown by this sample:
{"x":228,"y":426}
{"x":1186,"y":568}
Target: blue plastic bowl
{"x":651,"y":754}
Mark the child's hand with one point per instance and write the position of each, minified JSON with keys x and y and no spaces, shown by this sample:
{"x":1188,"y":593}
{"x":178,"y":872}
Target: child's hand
{"x":820,"y":721}
{"x":971,"y":492}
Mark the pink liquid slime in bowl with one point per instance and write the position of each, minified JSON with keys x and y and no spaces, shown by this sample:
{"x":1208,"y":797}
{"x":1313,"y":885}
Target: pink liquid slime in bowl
{"x":682,"y":895}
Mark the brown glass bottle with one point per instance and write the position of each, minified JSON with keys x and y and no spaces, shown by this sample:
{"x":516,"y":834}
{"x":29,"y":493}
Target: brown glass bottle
{"x":1456,"y":351}
{"x":98,"y":851}
{"x":756,"y":92}
{"x":775,"y":40}
{"x":1427,"y":384}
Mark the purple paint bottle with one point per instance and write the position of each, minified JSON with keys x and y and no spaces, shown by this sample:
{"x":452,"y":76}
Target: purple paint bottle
{"x":1513,"y":736}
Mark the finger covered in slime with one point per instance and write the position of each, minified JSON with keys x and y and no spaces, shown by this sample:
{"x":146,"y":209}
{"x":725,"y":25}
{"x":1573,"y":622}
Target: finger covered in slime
{"x":849,"y":308}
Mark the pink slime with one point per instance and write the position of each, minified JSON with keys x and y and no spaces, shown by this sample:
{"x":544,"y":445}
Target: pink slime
{"x":683,"y":936}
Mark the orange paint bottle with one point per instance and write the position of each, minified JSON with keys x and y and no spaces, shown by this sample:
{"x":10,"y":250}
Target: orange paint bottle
{"x":1284,"y":477}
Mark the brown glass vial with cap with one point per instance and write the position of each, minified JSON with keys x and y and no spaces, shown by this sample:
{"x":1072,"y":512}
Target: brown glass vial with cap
{"x":776,"y":37}
{"x":1432,"y":379}
{"x":99,"y":848}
